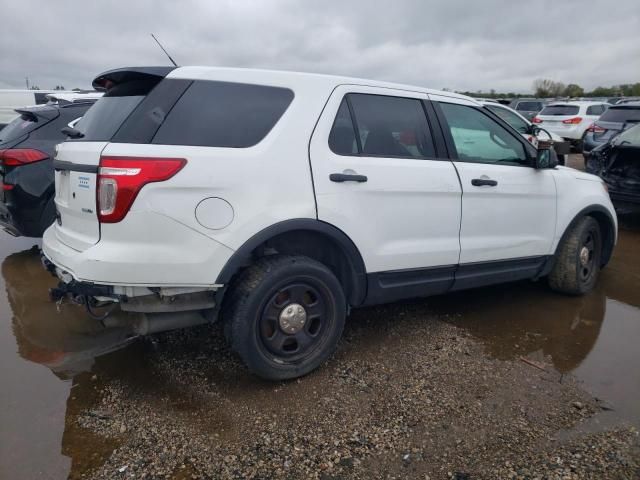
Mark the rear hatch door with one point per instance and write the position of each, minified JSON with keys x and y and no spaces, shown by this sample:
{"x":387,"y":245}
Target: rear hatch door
{"x":78,"y":159}
{"x":552,"y":116}
{"x":16,"y":132}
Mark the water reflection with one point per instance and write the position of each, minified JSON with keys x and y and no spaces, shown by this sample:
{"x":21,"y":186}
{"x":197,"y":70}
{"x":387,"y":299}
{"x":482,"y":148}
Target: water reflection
{"x":64,"y":339}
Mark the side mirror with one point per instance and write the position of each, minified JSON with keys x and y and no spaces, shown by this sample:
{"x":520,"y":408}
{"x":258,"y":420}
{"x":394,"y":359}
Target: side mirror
{"x":546,"y":156}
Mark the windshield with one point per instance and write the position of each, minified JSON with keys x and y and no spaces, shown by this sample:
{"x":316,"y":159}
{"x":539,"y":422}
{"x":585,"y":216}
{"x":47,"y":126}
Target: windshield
{"x":560,"y":110}
{"x":621,"y":115}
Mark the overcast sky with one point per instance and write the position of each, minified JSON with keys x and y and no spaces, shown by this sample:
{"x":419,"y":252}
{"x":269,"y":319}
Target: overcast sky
{"x":460,"y":45}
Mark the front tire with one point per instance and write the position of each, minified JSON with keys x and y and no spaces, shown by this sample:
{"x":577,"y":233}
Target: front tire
{"x":577,"y":264}
{"x":284,"y":316}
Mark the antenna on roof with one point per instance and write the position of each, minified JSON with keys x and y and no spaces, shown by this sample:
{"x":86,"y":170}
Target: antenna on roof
{"x":166,"y":53}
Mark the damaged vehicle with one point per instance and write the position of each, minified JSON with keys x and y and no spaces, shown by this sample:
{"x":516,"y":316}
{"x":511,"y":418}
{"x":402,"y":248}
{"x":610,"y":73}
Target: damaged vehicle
{"x":617,"y":162}
{"x":278,"y":201}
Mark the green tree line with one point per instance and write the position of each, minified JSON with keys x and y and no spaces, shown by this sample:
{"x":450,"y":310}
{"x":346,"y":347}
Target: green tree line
{"x":546,"y":88}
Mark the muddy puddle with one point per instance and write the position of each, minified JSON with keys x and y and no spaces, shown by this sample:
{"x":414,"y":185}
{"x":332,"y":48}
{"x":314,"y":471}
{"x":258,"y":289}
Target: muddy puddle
{"x":53,"y":362}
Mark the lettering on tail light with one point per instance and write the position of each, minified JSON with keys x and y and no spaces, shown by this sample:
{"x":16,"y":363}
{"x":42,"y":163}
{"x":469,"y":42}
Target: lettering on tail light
{"x":120,"y":179}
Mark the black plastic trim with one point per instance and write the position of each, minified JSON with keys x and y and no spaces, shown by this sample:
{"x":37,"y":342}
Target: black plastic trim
{"x":391,"y":286}
{"x":480,"y":274}
{"x":243,"y":256}
{"x":74,"y":167}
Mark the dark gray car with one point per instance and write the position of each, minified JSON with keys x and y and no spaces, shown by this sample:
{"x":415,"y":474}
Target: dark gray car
{"x":527,"y":107}
{"x":615,"y":120}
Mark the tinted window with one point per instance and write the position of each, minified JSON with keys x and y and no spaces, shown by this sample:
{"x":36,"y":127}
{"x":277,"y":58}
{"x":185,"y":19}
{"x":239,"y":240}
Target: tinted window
{"x":617,"y":114}
{"x":342,"y":139}
{"x":20,"y":126}
{"x":41,"y":98}
{"x":595,"y":110}
{"x":529,"y":106}
{"x":221,"y":114}
{"x":391,"y":126}
{"x":479,"y":138}
{"x":511,"y":118}
{"x":104,"y":118}
{"x":560,"y":110}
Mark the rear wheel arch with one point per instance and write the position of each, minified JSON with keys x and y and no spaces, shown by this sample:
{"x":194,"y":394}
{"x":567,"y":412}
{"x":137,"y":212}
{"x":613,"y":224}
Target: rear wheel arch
{"x":310,"y":238}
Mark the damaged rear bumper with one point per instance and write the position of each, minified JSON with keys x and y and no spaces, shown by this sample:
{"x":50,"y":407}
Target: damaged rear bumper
{"x":130,"y":298}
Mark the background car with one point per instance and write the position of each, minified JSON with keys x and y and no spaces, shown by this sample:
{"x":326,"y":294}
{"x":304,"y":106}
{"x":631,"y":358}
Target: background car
{"x":26,"y":170}
{"x":616,"y":119}
{"x":617,"y":162}
{"x":526,"y":129}
{"x":570,"y":120}
{"x":527,"y":107}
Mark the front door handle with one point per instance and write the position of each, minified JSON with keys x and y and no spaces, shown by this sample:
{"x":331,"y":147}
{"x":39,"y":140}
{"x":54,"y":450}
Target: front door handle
{"x":347,"y":177}
{"x":481,"y":182}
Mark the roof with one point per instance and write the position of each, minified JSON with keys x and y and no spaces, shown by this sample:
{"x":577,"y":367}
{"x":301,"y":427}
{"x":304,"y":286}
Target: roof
{"x":288,"y":78}
{"x":576,"y":102}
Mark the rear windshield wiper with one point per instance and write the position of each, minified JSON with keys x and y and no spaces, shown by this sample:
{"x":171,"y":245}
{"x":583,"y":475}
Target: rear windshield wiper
{"x":72,"y":132}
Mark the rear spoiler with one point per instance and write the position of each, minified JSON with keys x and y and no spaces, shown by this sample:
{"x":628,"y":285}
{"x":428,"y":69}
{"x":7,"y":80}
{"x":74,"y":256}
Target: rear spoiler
{"x":38,"y":112}
{"x":111,"y":78}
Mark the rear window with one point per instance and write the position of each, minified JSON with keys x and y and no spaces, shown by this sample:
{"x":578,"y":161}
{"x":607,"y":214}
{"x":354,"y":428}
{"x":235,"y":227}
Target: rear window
{"x":20,"y":126}
{"x":617,"y":114}
{"x":560,"y":110}
{"x":529,"y":106}
{"x":223,"y":114}
{"x":106,"y":116}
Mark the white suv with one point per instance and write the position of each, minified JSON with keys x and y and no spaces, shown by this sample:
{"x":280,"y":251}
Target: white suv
{"x":570,"y":120}
{"x":282,"y":200}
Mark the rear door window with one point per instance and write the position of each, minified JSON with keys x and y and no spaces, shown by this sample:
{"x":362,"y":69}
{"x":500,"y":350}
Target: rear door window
{"x":223,"y":114}
{"x":342,"y":139}
{"x":559,"y":110}
{"x":385,"y":126}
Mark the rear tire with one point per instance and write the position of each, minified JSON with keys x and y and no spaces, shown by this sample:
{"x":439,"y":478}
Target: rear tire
{"x":577,"y":263}
{"x":284,"y":316}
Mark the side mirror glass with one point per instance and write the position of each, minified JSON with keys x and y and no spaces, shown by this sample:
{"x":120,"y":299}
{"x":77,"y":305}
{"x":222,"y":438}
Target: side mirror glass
{"x":546,"y":157}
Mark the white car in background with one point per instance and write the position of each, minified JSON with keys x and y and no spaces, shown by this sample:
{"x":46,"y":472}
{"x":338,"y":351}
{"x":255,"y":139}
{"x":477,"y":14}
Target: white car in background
{"x":570,"y":120}
{"x":526,"y":129}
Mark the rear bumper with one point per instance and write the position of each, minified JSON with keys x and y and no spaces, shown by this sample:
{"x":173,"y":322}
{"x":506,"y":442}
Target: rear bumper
{"x":149,"y":251}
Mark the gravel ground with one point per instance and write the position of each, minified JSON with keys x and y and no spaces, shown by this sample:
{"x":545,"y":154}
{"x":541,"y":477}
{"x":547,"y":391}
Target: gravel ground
{"x":405,"y":397}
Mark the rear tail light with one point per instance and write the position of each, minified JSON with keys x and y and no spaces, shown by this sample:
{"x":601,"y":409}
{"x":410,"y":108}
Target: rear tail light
{"x":121,"y":178}
{"x":593,"y":128}
{"x":536,"y":120}
{"x":572,"y":121}
{"x":14,"y":157}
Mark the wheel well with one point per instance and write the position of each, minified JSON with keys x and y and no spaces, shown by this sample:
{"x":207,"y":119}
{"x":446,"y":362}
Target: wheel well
{"x":608,"y":234}
{"x":317,"y":246}
{"x":310,"y":238}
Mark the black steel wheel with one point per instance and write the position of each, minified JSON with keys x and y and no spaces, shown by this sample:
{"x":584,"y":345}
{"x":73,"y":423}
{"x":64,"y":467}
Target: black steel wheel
{"x":284,"y":316}
{"x":578,"y":259}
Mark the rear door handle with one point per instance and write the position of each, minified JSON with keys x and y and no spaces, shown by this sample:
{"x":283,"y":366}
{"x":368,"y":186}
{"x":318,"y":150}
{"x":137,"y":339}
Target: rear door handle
{"x":347,"y":177}
{"x":481,"y":182}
